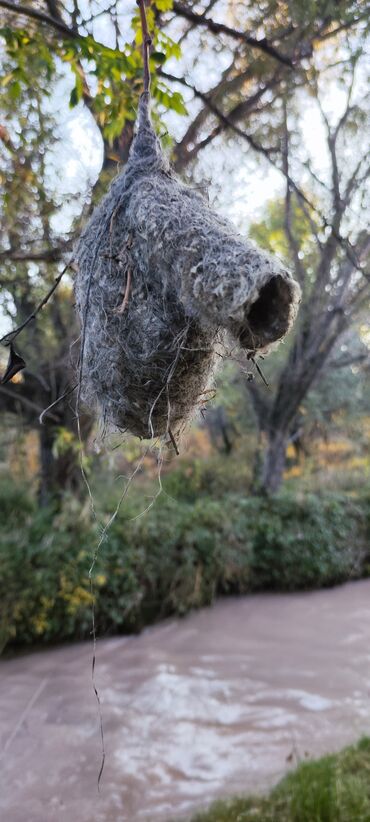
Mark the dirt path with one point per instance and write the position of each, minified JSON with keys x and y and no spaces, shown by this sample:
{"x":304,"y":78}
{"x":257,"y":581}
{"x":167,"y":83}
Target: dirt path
{"x":221,"y":702}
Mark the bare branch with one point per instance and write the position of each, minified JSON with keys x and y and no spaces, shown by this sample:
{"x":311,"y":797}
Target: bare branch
{"x":355,"y":180}
{"x":352,"y":21}
{"x":293,"y":245}
{"x":18,"y":397}
{"x":220,"y":28}
{"x":11,"y":335}
{"x":41,"y":16}
{"x":194,"y":25}
{"x":225,"y":87}
{"x":226,"y":120}
{"x":261,"y":402}
{"x":345,"y":361}
{"x":49,"y":255}
{"x":268,"y":153}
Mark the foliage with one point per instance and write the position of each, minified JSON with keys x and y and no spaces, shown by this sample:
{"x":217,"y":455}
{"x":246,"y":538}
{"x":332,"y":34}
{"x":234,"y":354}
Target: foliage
{"x":311,"y":546}
{"x":176,"y":557}
{"x":197,"y":477}
{"x":269,"y":232}
{"x":334,"y":788}
{"x":109,"y":80}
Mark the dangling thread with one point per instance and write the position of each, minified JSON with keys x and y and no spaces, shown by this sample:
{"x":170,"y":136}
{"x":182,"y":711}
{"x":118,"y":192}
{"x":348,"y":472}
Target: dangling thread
{"x":147,"y":40}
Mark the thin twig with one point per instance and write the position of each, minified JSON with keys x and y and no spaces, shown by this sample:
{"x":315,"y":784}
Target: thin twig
{"x":47,"y":410}
{"x":220,"y":28}
{"x":37,"y":14}
{"x":124,"y":304}
{"x":52,"y":255}
{"x":172,"y":438}
{"x":147,"y":42}
{"x":259,"y":369}
{"x":11,"y":335}
{"x":24,"y":401}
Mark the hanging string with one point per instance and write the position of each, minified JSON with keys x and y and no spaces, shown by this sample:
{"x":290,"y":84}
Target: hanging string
{"x":147,"y":41}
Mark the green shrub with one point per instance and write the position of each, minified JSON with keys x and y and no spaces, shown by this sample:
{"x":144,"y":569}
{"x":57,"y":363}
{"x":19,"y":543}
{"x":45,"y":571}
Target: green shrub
{"x":43,"y":569}
{"x":308,"y":543}
{"x":15,"y":502}
{"x":177,"y":556}
{"x":212,"y":476}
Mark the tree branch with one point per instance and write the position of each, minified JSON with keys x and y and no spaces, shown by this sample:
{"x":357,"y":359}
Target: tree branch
{"x":220,"y":28}
{"x":227,"y":120}
{"x":260,"y":402}
{"x":49,"y":255}
{"x":11,"y":335}
{"x":147,"y":41}
{"x":345,"y":361}
{"x":41,"y":16}
{"x":293,"y":245}
{"x":342,"y":27}
{"x":18,"y":397}
{"x":267,"y":153}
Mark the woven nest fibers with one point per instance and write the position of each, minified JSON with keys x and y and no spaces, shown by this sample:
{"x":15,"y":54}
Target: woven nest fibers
{"x":160,"y":278}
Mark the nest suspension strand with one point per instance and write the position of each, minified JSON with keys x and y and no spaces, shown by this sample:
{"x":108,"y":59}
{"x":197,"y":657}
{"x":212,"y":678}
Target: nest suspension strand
{"x":160,"y":279}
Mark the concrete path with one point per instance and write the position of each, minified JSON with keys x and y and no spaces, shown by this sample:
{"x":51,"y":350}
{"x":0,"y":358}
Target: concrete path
{"x":221,"y":702}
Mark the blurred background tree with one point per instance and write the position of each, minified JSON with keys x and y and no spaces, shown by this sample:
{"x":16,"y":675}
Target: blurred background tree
{"x":29,"y":265}
{"x":270,"y":89}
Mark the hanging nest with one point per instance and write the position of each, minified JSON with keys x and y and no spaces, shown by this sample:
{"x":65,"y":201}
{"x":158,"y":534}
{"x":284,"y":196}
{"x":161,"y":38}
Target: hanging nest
{"x":160,"y":277}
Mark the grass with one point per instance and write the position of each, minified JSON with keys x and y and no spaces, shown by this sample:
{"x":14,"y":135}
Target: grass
{"x":335,"y":788}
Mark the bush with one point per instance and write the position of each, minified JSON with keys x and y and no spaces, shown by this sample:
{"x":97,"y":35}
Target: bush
{"x":177,"y":556}
{"x":16,"y":503}
{"x":310,"y":543}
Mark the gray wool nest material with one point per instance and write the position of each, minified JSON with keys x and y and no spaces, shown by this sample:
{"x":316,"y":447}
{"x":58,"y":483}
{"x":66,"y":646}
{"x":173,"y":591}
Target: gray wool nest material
{"x":159,"y":277}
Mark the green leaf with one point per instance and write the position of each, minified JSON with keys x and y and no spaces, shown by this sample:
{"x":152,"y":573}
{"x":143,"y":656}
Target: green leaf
{"x":168,"y":45}
{"x":73,"y":100}
{"x":163,"y":5}
{"x":177,"y":103}
{"x":139,"y":37}
{"x":15,"y":90}
{"x":158,"y":57}
{"x":6,"y":80}
{"x":69,"y":55}
{"x":7,"y":34}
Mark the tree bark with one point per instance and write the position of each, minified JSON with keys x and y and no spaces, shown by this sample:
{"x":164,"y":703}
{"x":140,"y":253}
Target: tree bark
{"x":274,"y":462}
{"x":58,"y":472}
{"x":47,"y":486}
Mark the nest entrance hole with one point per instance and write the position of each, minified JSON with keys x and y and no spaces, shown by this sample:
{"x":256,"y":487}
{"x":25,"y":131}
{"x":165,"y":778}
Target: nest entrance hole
{"x":267,"y":319}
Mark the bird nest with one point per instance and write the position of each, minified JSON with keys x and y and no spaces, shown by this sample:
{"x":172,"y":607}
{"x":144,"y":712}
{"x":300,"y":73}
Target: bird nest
{"x":160,"y":279}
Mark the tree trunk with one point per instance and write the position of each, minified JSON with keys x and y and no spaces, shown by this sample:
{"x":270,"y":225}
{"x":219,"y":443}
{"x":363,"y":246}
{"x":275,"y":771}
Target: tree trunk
{"x":274,"y":462}
{"x":277,"y":418}
{"x":47,"y":485}
{"x":58,"y":473}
